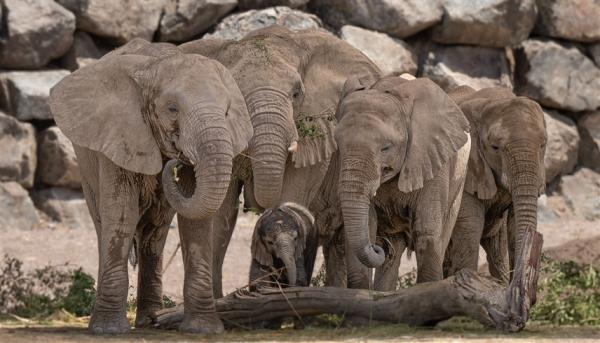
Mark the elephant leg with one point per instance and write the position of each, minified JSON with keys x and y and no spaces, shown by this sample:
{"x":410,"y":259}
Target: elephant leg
{"x":335,"y":264}
{"x":118,"y":217}
{"x":223,"y":226}
{"x":386,"y":276}
{"x":463,"y":249}
{"x":152,"y":232}
{"x":199,"y":315}
{"x":496,"y":249}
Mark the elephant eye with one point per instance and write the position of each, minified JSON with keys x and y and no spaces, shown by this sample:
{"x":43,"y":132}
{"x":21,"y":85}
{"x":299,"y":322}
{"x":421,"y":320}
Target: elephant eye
{"x":172,"y":108}
{"x":495,"y":147}
{"x":387,"y":147}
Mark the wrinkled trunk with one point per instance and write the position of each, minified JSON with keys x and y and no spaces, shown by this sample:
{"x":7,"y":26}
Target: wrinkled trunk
{"x":524,"y":182}
{"x":272,"y":119}
{"x":286,"y":253}
{"x":358,"y":180}
{"x":197,"y":193}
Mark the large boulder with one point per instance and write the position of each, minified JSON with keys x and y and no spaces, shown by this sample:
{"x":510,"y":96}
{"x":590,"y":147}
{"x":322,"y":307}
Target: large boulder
{"x":491,"y":23}
{"x":66,"y":206}
{"x":24,"y":94}
{"x":589,"y":153}
{"x":256,"y":4}
{"x":184,"y":19}
{"x":581,"y":192}
{"x":17,"y":151}
{"x":577,"y":20}
{"x":16,"y":208}
{"x":400,"y":18}
{"x":557,"y":76}
{"x":390,"y":54}
{"x":595,"y":53}
{"x":562,"y":146}
{"x":35,"y":32}
{"x":236,"y":26}
{"x":57,"y":164}
{"x":452,"y":66}
{"x":118,"y":20}
{"x":83,"y":51}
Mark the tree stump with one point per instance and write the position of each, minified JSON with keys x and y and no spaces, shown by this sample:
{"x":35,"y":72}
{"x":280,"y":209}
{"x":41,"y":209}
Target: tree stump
{"x":464,"y":294}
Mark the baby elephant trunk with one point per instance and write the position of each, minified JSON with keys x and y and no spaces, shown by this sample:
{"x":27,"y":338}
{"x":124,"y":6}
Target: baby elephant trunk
{"x":285,"y":250}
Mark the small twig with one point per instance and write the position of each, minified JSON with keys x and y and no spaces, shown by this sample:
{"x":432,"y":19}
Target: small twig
{"x":172,"y":257}
{"x":260,"y":280}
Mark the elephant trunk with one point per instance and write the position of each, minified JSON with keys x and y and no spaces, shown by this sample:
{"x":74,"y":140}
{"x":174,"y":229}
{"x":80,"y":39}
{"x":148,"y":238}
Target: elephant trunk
{"x":199,"y":192}
{"x":285,"y":250}
{"x":524,"y":183}
{"x":272,"y":118}
{"x":358,"y":181}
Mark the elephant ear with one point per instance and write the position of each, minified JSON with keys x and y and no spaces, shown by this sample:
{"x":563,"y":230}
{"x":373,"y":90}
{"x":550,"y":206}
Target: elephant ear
{"x":209,"y":47}
{"x":100,"y":107}
{"x":480,"y":179}
{"x":438,"y":129}
{"x":460,"y":93}
{"x":257,"y":248}
{"x":238,"y":119}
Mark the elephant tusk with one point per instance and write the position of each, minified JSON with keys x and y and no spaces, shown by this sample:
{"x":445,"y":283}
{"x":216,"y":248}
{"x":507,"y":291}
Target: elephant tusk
{"x":408,"y":76}
{"x":293,"y":147}
{"x":175,"y":171}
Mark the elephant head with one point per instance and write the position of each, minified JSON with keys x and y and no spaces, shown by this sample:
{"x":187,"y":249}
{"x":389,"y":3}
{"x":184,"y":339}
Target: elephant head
{"x":508,"y":145}
{"x":144,"y":104}
{"x":395,"y":129}
{"x":291,"y":83}
{"x":281,"y":233}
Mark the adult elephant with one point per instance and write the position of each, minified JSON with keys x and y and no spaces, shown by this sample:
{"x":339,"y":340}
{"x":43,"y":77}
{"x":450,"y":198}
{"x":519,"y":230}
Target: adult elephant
{"x":139,"y":112}
{"x":505,"y":174}
{"x":292,"y":83}
{"x":403,"y":148}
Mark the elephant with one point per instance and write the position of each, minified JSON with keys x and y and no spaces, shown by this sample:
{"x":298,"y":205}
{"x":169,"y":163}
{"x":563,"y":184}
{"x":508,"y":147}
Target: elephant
{"x":284,"y":237}
{"x":155,"y":131}
{"x":403,"y":148}
{"x":292,"y":83}
{"x":506,"y":174}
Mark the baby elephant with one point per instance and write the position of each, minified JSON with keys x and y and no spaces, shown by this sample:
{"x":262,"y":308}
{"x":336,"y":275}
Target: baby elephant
{"x":284,"y":236}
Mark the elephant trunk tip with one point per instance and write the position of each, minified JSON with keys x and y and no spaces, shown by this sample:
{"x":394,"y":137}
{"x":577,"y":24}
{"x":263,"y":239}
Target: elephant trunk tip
{"x":372,"y":255}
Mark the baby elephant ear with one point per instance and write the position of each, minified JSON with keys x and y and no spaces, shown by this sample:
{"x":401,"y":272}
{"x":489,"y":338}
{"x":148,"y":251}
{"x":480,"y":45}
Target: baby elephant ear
{"x":100,"y":107}
{"x":257,"y":249}
{"x":438,"y":129}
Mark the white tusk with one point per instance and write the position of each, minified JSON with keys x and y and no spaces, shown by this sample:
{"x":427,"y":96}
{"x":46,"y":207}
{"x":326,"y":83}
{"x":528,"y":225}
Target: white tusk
{"x":374,"y":194}
{"x":193,"y":163}
{"x":293,"y":147}
{"x":407,"y":76}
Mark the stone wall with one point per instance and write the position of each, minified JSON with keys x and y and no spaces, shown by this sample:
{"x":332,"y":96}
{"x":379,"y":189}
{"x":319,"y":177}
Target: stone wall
{"x":548,"y":50}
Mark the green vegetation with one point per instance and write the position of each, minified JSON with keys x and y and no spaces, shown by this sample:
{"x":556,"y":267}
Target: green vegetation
{"x":307,"y":127}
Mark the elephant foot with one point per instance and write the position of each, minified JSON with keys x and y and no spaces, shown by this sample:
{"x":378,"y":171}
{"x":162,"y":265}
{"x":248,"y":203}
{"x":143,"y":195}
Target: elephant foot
{"x":203,"y":324}
{"x":143,"y":317}
{"x":109,"y":324}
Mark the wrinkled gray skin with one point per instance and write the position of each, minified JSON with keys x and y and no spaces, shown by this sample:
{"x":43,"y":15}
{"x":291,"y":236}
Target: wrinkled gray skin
{"x":133,"y":117}
{"x":284,"y":237}
{"x":286,"y":78}
{"x":403,"y":151}
{"x":505,"y":177}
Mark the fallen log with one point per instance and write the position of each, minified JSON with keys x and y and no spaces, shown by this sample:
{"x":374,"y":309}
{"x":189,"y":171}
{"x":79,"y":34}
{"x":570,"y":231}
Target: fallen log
{"x":464,"y":294}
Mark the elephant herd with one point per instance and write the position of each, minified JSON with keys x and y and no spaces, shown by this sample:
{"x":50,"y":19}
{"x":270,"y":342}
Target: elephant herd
{"x":307,"y":128}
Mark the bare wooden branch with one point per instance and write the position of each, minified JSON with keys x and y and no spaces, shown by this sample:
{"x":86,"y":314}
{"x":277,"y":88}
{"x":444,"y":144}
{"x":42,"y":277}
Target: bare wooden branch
{"x":465,"y":294}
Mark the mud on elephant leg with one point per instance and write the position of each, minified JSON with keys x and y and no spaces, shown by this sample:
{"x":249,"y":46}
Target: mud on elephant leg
{"x":200,"y":315}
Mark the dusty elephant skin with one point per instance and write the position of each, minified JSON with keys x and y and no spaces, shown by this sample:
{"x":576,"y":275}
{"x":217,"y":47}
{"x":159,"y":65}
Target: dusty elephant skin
{"x":506,"y":173}
{"x":413,"y":160}
{"x":292,"y":83}
{"x":284,"y":237}
{"x":127,"y":114}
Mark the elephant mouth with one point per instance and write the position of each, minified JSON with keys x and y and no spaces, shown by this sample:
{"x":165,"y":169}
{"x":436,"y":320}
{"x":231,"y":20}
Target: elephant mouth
{"x":184,"y":177}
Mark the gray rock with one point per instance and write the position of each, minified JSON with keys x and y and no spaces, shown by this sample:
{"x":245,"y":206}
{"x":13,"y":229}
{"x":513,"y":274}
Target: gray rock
{"x":16,"y":208}
{"x":545,"y":213}
{"x":557,"y":76}
{"x":238,"y":25}
{"x":66,"y":206}
{"x":17,"y":151}
{"x":83,"y":49}
{"x":400,"y":18}
{"x":119,"y":20}
{"x":57,"y":163}
{"x":589,"y":153}
{"x":581,"y":192}
{"x":595,"y":52}
{"x":452,"y":66}
{"x":257,"y":4}
{"x":24,"y":94}
{"x":390,"y":54}
{"x":577,"y":20}
{"x":490,"y":23}
{"x":184,"y":19}
{"x":562,"y":146}
{"x":36,"y":31}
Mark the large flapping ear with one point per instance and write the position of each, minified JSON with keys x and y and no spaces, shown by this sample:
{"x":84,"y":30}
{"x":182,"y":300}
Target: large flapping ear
{"x":257,"y":248}
{"x":238,"y":119}
{"x":305,"y":221}
{"x":438,"y":129}
{"x":100,"y":107}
